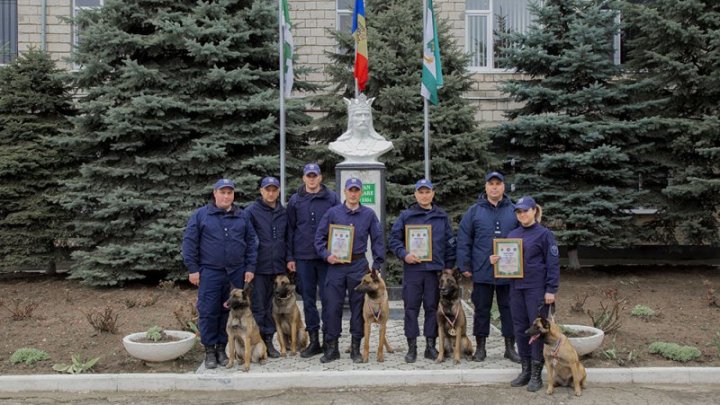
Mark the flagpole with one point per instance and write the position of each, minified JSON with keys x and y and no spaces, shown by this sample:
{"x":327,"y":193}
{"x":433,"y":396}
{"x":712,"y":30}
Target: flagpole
{"x":281,"y":46}
{"x":426,"y":120}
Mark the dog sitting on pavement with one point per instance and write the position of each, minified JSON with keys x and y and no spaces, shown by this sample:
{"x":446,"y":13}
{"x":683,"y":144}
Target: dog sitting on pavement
{"x":286,"y":314}
{"x":244,"y":340}
{"x":452,"y":325}
{"x":376,"y":310}
{"x":562,"y":361}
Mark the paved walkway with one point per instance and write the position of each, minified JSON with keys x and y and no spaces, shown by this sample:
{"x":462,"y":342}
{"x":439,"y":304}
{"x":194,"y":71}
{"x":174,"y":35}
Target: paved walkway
{"x":393,"y":361}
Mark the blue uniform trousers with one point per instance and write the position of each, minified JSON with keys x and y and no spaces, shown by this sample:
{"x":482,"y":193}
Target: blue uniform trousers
{"x":524,"y":306}
{"x":312,"y":275}
{"x":341,"y":280}
{"x":213,"y":291}
{"x":262,"y":295}
{"x":420,"y":287}
{"x":482,"y":298}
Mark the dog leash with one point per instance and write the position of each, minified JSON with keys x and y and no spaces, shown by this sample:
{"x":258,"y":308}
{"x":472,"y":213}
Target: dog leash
{"x":556,"y":350}
{"x":374,"y":314}
{"x":452,"y":323}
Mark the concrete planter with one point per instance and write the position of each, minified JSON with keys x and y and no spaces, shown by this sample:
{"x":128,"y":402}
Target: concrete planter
{"x":587,"y":344}
{"x":160,"y":351}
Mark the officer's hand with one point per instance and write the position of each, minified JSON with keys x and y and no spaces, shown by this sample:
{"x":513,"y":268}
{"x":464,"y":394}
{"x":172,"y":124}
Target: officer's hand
{"x":249,"y":277}
{"x":494,"y":259}
{"x":291,"y":266}
{"x":549,"y":298}
{"x":467,"y":274}
{"x":411,"y":259}
{"x":332,"y":259}
{"x":194,"y":278}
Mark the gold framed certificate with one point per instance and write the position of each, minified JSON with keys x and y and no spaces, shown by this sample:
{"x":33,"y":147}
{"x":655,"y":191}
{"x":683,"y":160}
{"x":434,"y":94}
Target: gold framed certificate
{"x":510,"y":264}
{"x":340,"y":242}
{"x":418,"y":241}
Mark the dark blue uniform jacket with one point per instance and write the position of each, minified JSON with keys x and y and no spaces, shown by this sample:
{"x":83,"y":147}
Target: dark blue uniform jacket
{"x":271,"y":228}
{"x":443,"y":240}
{"x":304,"y":211}
{"x":219,"y":240}
{"x":541,"y":258}
{"x":366,"y":224}
{"x":482,"y":223}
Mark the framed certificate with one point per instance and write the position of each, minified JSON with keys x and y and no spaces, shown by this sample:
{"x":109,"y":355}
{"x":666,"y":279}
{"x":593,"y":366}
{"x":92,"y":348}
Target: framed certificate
{"x":418,"y":241}
{"x":510,"y":264}
{"x":340,"y":242}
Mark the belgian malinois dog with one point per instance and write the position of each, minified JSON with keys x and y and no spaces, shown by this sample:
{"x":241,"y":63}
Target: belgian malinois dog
{"x":376,"y":309}
{"x":244,"y":340}
{"x":452,"y":325}
{"x":286,"y":314}
{"x":561,"y":359}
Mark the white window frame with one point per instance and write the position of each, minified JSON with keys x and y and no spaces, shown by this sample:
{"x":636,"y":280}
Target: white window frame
{"x":75,"y":30}
{"x":340,"y":13}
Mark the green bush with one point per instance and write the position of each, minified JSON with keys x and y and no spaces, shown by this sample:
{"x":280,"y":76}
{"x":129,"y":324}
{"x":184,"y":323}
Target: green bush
{"x":642,"y":311}
{"x":674,"y":351}
{"x":28,"y":356}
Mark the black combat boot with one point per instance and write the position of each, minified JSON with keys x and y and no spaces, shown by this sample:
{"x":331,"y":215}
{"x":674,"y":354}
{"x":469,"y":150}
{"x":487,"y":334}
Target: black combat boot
{"x":510,"y":352}
{"x":535,"y":376}
{"x":431,"y":352}
{"x":314,"y":347}
{"x":332,"y":352}
{"x":271,"y":352}
{"x":411,"y":355}
{"x":524,"y":377}
{"x":210,"y":357}
{"x":355,"y":350}
{"x":220,"y":354}
{"x":480,"y":352}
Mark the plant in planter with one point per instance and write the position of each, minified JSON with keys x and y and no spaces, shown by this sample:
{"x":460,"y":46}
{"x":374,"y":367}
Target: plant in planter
{"x":157,"y":344}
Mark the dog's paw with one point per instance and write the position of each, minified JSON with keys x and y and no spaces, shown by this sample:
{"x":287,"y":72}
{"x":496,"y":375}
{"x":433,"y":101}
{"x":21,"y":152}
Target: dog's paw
{"x":549,"y":390}
{"x":578,"y":393}
{"x":246,"y":368}
{"x":284,"y":354}
{"x":457,"y":362}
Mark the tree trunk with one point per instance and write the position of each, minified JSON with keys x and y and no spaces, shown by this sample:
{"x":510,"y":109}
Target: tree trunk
{"x":573,"y":260}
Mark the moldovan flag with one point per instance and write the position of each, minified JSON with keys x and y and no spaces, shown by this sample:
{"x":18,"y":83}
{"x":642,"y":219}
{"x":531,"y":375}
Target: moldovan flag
{"x":431,"y":70}
{"x":359,"y":30}
{"x":287,"y":48}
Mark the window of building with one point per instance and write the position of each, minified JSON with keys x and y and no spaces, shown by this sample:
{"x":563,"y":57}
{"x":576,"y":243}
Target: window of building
{"x":8,"y":31}
{"x":485,"y":19}
{"x":344,"y":15}
{"x":77,"y":6}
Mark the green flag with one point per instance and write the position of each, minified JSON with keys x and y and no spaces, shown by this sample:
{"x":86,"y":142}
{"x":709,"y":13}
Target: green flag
{"x":432,"y":70}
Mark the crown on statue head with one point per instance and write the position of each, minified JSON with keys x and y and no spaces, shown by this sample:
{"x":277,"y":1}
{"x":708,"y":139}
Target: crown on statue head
{"x":361,"y":103}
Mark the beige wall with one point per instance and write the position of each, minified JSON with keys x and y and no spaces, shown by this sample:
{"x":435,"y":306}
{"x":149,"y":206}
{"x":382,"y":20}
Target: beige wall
{"x":311,"y":20}
{"x":58,"y":35}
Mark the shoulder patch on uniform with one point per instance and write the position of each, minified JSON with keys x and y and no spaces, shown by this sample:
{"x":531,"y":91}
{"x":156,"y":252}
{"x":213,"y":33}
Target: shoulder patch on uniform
{"x":554,"y":250}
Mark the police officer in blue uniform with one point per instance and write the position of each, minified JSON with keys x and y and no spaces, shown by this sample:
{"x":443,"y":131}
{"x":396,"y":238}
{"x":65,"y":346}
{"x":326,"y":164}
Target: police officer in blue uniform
{"x":342,"y":278}
{"x":541,"y":269}
{"x":220,"y":250}
{"x":490,"y":218}
{"x":304,"y":211}
{"x":269,"y":219}
{"x":420,"y":276}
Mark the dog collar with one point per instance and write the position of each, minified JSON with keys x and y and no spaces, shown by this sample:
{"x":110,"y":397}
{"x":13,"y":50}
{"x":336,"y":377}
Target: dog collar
{"x":377,"y":314}
{"x":556,"y":349}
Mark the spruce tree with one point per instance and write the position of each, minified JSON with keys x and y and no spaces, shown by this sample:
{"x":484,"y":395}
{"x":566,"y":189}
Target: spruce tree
{"x":175,"y":94}
{"x":571,"y":142}
{"x":457,"y":147}
{"x":674,"y":59}
{"x":34,"y":108}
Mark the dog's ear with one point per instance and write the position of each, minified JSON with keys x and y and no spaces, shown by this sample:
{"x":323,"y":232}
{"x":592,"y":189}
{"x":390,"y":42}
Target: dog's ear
{"x":291,"y":276}
{"x":374,"y":275}
{"x":545,"y":323}
{"x":456,"y":274}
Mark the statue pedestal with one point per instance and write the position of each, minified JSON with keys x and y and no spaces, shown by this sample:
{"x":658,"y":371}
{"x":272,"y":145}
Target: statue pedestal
{"x":372,"y":176}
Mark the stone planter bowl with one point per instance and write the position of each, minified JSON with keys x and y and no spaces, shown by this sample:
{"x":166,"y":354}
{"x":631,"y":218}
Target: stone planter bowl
{"x":587,"y":344}
{"x":160,"y":351}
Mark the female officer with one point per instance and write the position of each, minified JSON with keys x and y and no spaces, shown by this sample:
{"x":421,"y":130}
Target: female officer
{"x":538,"y":286}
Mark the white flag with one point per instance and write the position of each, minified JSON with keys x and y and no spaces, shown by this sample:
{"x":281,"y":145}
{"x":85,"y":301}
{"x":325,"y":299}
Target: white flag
{"x":287,"y":48}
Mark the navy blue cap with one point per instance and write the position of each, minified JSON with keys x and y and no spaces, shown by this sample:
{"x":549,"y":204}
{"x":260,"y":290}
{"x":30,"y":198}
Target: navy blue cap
{"x":222,"y":183}
{"x":525,"y":203}
{"x":353,"y":182}
{"x":423,"y":183}
{"x":494,"y":175}
{"x":311,"y":168}
{"x":269,"y":181}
